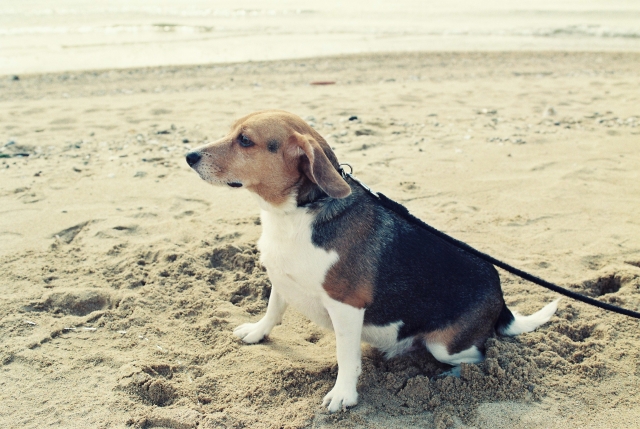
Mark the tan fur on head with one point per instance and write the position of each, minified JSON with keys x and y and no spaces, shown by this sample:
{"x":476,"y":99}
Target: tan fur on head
{"x":272,"y":153}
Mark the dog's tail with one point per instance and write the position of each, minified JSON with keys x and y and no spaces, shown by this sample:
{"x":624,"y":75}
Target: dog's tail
{"x":512,"y":324}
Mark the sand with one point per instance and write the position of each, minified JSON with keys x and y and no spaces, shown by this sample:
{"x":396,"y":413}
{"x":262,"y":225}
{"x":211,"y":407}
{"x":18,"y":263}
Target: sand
{"x":124,"y":273}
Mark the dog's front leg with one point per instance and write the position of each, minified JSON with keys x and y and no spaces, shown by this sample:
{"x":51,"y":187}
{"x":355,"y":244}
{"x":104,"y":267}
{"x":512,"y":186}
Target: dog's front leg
{"x":252,"y":333}
{"x":347,"y":324}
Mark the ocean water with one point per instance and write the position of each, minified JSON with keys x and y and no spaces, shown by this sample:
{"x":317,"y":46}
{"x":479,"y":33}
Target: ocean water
{"x":55,"y":35}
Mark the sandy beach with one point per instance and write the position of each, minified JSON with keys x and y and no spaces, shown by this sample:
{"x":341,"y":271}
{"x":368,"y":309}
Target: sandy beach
{"x":124,"y":273}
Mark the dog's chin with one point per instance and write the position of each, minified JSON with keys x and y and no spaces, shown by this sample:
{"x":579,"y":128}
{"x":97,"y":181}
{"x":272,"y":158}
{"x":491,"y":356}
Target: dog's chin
{"x":221,"y":182}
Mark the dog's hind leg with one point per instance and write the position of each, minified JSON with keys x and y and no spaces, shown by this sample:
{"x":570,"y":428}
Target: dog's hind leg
{"x":252,"y":333}
{"x":458,"y":343}
{"x":347,"y":324}
{"x":470,"y":355}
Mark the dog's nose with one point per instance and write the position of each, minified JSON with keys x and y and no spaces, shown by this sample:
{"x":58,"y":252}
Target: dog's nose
{"x":193,"y":158}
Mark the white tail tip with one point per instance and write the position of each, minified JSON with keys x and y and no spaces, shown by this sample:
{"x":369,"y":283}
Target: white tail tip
{"x":522,"y":324}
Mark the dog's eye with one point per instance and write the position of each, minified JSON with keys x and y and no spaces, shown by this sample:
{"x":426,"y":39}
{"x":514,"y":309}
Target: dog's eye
{"x":244,"y":141}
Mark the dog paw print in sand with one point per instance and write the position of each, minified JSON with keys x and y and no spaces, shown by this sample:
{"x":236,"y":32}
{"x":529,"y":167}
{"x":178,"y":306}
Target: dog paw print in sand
{"x":151,"y":383}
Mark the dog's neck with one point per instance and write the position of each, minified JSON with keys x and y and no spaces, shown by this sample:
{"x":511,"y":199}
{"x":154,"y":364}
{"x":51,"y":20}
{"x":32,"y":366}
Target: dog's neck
{"x":309,"y":196}
{"x":289,"y":206}
{"x":309,"y":193}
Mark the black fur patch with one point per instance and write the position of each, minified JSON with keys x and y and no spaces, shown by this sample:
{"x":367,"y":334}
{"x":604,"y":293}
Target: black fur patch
{"x":273,"y":146}
{"x":419,"y":279}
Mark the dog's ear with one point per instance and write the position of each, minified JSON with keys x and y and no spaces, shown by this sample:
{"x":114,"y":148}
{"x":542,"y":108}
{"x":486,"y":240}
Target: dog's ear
{"x":317,"y":167}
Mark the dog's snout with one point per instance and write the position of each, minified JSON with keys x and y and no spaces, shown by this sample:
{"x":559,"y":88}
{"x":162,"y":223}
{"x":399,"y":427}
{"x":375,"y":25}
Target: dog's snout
{"x":193,"y":158}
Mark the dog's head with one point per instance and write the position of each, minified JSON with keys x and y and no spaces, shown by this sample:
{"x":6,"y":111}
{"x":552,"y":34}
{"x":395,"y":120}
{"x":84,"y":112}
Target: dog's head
{"x":274,"y":154}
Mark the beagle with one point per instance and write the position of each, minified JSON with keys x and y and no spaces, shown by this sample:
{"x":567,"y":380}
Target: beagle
{"x":348,"y":263}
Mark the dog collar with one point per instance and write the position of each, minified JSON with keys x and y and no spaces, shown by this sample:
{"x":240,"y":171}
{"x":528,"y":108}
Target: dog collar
{"x":350,"y":175}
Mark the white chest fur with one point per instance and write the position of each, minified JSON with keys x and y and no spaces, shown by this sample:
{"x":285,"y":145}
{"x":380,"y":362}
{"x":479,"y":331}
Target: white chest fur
{"x":295,"y":266}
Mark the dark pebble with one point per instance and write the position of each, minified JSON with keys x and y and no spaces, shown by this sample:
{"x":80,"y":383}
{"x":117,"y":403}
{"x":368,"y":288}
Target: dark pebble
{"x":185,"y":140}
{"x":15,"y":77}
{"x":353,"y":118}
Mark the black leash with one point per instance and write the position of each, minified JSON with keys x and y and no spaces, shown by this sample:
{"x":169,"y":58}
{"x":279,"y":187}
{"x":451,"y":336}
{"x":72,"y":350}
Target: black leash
{"x":404,"y":212}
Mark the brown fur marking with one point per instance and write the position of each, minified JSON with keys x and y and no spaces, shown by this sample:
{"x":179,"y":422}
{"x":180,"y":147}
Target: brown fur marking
{"x":472,"y":329}
{"x":444,"y":336}
{"x":351,"y":280}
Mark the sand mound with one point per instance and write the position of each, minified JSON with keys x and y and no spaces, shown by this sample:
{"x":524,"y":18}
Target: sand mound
{"x":175,"y":308}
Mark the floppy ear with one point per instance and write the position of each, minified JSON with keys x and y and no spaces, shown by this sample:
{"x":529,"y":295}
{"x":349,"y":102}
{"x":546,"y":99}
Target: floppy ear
{"x":319,"y":169}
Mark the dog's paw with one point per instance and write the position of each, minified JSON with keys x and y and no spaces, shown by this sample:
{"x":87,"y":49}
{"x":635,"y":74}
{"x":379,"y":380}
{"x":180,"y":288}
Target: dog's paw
{"x":251,"y":333}
{"x":340,"y":398}
{"x":453,"y":372}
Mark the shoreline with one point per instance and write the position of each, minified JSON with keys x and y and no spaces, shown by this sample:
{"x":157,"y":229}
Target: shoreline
{"x":541,"y":53}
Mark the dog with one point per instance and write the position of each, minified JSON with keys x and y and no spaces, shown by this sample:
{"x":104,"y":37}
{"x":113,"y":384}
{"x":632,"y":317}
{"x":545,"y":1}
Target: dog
{"x":348,"y":263}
